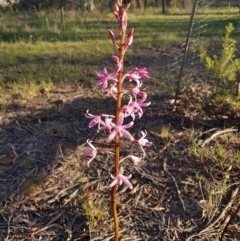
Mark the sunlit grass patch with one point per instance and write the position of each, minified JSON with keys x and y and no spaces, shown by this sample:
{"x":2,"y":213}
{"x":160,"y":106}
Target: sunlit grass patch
{"x":218,"y":154}
{"x":25,"y":67}
{"x":35,"y":48}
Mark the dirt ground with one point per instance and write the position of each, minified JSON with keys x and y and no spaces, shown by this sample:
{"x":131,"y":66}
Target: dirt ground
{"x":47,"y":192}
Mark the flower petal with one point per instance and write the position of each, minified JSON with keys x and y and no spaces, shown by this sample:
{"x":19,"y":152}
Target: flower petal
{"x":111,"y":136}
{"x":127,"y":135}
{"x":125,"y":180}
{"x":113,"y":183}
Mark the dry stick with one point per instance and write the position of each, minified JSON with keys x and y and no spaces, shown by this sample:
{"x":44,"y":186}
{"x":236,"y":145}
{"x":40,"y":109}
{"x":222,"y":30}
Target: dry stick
{"x":117,"y":142}
{"x":234,"y":193}
{"x":48,"y":225}
{"x":175,"y":182}
{"x":8,"y":224}
{"x":217,"y":134}
{"x":222,"y":214}
{"x":229,"y":221}
{"x":185,"y":50}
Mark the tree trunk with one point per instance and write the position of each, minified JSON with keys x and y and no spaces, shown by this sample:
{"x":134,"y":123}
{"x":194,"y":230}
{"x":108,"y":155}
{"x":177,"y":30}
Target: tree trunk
{"x":62,"y":15}
{"x":163,"y":6}
{"x":91,"y":5}
{"x":141,"y":5}
{"x":238,"y":84}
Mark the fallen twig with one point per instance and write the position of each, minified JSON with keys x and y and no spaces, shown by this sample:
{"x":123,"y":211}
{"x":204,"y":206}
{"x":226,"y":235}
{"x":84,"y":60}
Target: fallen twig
{"x":228,"y":222}
{"x":222,"y":214}
{"x":8,"y":224}
{"x":217,"y":134}
{"x":175,"y":182}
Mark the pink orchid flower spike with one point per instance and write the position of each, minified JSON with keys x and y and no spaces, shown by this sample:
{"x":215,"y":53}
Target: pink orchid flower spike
{"x":90,"y":151}
{"x":120,"y":179}
{"x":120,"y":129}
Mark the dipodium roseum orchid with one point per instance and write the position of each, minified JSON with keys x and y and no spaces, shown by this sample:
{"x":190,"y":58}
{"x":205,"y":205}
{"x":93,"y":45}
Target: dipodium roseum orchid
{"x":117,"y":84}
{"x":143,"y":141}
{"x":120,"y":129}
{"x":104,"y":77}
{"x":90,"y":151}
{"x":135,"y":90}
{"x":135,"y":106}
{"x":97,"y":120}
{"x":112,"y":91}
{"x":133,"y":158}
{"x":120,"y":179}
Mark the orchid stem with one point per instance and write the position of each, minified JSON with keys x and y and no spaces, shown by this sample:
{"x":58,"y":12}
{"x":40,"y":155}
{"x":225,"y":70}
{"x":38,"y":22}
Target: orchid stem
{"x":117,"y":143}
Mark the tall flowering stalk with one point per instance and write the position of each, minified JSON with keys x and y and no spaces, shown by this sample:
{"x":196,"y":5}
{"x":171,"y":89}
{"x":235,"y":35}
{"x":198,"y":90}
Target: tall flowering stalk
{"x":112,"y":84}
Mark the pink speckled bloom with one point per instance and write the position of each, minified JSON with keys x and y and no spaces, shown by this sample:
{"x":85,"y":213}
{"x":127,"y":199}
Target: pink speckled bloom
{"x":120,"y":129}
{"x":90,"y":151}
{"x":135,"y":159}
{"x":104,"y":77}
{"x":120,"y":179}
{"x":142,"y":141}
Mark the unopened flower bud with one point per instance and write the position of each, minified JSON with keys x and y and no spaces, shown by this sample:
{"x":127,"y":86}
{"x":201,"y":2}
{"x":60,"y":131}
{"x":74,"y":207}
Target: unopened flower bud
{"x":116,"y":8}
{"x":111,"y":35}
{"x":127,"y":6}
{"x":115,"y":58}
{"x":129,"y":38}
{"x":119,"y":2}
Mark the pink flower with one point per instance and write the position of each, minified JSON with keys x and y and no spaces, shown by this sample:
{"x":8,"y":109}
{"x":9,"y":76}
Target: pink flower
{"x":96,"y":120}
{"x":120,"y":179}
{"x":141,"y":72}
{"x":128,"y":109}
{"x":107,"y":125}
{"x":142,"y":141}
{"x":136,"y":89}
{"x":135,"y":159}
{"x":135,"y":106}
{"x":132,"y":77}
{"x":105,"y":77}
{"x":120,"y":129}
{"x":90,"y":151}
{"x":118,"y":64}
{"x":141,"y":102}
{"x":112,"y":90}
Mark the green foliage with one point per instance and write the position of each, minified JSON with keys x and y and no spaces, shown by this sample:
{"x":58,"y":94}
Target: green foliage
{"x":224,"y":66}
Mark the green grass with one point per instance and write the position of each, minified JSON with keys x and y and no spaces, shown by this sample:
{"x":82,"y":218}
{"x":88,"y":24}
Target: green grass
{"x":36,"y":50}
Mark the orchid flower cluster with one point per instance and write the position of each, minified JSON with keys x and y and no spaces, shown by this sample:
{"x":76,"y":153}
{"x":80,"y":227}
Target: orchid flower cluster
{"x":134,"y":108}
